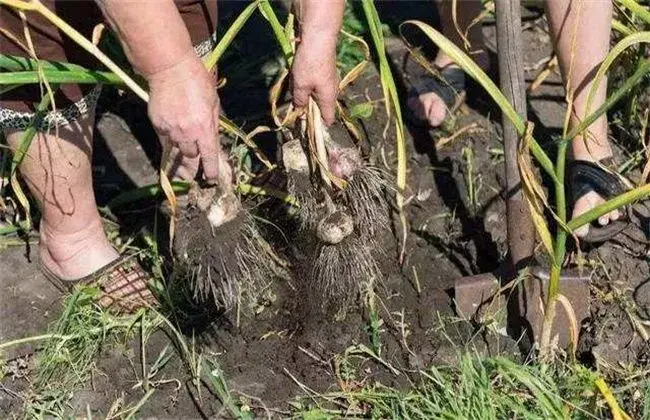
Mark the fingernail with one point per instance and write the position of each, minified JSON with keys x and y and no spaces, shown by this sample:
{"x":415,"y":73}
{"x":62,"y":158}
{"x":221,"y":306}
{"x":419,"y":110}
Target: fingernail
{"x":209,"y":181}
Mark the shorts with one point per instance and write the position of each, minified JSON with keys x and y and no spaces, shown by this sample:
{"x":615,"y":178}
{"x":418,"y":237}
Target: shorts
{"x":72,"y":101}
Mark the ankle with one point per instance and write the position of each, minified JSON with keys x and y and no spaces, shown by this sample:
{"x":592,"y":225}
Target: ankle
{"x":594,"y":152}
{"x":74,"y":254}
{"x":443,"y":61}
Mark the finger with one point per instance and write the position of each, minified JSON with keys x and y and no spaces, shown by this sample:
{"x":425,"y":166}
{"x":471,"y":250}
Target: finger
{"x":603,"y":220}
{"x":614,"y":215}
{"x":188,"y":149}
{"x":181,"y":167}
{"x":187,"y":168}
{"x":209,"y":152}
{"x":326,"y":102}
{"x":301,"y":97}
{"x":225,"y":172}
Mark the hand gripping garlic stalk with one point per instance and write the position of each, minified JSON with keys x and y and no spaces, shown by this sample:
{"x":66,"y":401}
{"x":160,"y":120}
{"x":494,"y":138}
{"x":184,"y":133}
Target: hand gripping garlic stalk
{"x":342,"y":205}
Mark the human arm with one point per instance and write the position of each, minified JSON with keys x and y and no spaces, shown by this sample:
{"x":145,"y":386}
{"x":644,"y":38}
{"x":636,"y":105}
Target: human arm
{"x":183,"y":105}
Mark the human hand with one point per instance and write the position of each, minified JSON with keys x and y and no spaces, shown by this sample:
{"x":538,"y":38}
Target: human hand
{"x":314,"y":74}
{"x":184,"y":107}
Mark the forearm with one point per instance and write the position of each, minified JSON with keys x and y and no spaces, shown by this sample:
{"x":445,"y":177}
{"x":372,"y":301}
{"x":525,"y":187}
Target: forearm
{"x":152,"y":33}
{"x":320,"y":21}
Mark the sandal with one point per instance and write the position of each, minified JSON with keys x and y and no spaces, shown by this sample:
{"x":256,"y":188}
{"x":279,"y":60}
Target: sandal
{"x":123,"y":275}
{"x":448,"y":84}
{"x":586,"y":176}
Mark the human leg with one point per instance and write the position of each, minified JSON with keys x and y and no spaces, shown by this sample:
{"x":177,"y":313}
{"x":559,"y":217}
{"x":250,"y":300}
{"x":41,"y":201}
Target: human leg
{"x":429,"y":104}
{"x":57,"y":165}
{"x":581,"y":48}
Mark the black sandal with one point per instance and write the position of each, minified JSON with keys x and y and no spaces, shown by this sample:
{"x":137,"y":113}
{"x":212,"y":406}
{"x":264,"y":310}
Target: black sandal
{"x":586,"y":176}
{"x":448,"y":84}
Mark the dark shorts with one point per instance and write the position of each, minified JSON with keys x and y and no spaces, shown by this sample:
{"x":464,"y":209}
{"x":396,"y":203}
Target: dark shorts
{"x":18,"y":105}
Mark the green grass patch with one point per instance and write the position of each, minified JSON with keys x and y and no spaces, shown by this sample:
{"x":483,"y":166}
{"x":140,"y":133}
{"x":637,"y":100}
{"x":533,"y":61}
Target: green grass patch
{"x":475,"y":388}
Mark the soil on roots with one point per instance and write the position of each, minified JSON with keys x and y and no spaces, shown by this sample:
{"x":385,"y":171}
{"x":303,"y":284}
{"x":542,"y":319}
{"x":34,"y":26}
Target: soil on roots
{"x":229,"y":265}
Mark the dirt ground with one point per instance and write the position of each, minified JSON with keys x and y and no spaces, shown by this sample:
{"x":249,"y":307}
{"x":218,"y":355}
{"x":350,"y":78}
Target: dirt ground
{"x":288,"y":349}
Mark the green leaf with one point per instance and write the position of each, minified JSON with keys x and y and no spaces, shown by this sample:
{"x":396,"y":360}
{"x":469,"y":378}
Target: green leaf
{"x":363,"y":110}
{"x":59,"y":77}
{"x":212,"y":59}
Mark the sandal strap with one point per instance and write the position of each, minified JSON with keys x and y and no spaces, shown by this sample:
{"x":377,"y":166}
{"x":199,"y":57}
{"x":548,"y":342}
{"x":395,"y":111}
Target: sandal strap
{"x":448,"y":84}
{"x":123,"y":275}
{"x":65,"y":285}
{"x":586,"y":176}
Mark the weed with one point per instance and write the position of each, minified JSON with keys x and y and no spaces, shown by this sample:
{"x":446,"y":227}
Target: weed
{"x":478,"y":387}
{"x":68,"y":356}
{"x":473,"y":180}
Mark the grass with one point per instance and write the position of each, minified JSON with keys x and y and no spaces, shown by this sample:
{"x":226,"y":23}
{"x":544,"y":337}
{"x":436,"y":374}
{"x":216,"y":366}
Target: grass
{"x":493,"y":388}
{"x":68,"y":353}
{"x":473,"y":386}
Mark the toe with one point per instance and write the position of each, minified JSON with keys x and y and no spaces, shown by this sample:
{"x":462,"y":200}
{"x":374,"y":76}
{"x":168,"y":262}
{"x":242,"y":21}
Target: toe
{"x":583,"y":205}
{"x":435,"y":109}
{"x":582,"y":231}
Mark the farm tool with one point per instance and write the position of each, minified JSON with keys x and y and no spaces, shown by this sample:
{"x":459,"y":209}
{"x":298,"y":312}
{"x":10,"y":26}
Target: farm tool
{"x":518,"y":288}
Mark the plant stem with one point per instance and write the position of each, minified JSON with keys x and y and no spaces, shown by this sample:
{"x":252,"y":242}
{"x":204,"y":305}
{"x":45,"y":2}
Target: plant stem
{"x":211,"y":60}
{"x":37,"y":6}
{"x":60,"y":76}
{"x":559,"y":253}
{"x":148,"y":191}
{"x":17,"y":63}
{"x":619,"y":201}
{"x":42,"y":337}
{"x":278,"y":30}
{"x":634,"y":7}
{"x":32,"y":339}
{"x":618,"y":26}
{"x":392,"y":102}
{"x":266,"y":191}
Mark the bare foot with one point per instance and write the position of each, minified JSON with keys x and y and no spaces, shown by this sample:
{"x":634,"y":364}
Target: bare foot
{"x":587,"y":202}
{"x":429,"y":107}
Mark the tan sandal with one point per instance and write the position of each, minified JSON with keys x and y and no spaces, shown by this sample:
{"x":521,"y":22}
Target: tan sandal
{"x":123,"y":283}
